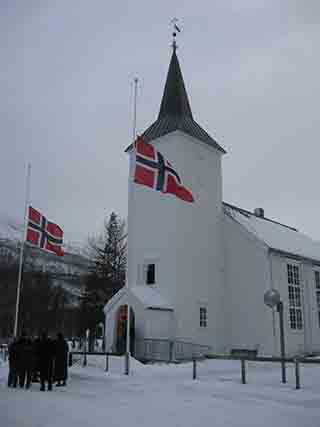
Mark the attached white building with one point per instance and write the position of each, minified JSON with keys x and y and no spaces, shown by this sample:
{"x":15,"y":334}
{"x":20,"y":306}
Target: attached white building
{"x":197,"y":272}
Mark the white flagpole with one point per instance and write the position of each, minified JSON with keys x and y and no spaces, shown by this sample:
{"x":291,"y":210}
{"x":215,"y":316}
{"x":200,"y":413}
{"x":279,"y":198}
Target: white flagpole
{"x":134,"y":147}
{"x":22,"y":249}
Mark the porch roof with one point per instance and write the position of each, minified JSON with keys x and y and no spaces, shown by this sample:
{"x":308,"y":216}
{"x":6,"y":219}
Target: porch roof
{"x":150,"y":298}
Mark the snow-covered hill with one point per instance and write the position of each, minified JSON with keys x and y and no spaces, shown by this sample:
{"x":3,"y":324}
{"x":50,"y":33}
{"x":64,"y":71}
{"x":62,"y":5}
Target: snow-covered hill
{"x":66,"y":271}
{"x":11,"y":230}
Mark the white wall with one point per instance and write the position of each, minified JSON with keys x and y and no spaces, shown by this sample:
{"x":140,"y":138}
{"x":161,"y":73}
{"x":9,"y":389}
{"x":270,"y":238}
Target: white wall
{"x":159,"y":324}
{"x":247,"y":278}
{"x":306,"y":340}
{"x":311,"y":310}
{"x":294,"y":339}
{"x":184,"y":238}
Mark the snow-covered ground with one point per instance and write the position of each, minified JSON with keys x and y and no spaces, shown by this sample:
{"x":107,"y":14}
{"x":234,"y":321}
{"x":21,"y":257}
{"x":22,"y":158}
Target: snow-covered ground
{"x":166,"y":396}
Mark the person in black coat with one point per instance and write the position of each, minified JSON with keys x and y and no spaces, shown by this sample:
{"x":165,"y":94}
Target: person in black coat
{"x":36,"y":371}
{"x":46,"y":357}
{"x":61,"y":361}
{"x":13,"y":364}
{"x":25,"y":360}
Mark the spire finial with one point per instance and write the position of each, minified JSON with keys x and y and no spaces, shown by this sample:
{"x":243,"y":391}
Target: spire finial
{"x":174,"y":33}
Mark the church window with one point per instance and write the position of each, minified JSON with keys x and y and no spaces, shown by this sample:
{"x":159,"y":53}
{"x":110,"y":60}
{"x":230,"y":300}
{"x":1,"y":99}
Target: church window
{"x":151,"y":274}
{"x":317,"y":282}
{"x":295,"y":303}
{"x":203,"y":317}
{"x":317,"y":279}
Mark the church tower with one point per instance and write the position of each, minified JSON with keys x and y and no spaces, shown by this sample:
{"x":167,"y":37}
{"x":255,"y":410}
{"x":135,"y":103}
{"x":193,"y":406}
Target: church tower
{"x":175,"y":248}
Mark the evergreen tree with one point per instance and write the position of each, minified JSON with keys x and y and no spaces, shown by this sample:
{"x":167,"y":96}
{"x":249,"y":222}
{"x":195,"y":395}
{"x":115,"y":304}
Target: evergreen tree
{"x":107,"y":273}
{"x":110,"y":252}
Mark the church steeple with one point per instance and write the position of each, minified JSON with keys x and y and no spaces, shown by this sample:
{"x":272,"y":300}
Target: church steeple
{"x":175,"y":111}
{"x":175,"y":100}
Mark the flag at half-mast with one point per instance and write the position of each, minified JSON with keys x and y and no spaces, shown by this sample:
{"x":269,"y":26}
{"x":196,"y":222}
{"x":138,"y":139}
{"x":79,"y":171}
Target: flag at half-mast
{"x":154,"y":171}
{"x":44,"y":234}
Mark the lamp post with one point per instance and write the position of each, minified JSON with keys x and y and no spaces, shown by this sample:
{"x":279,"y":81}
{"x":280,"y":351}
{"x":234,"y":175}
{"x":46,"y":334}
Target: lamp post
{"x":86,"y":347}
{"x":101,"y":326}
{"x":272,"y":299}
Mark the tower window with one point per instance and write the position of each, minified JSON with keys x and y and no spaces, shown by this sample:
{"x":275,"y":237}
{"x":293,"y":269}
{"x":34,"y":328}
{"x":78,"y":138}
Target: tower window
{"x":203,"y":317}
{"x":151,"y":274}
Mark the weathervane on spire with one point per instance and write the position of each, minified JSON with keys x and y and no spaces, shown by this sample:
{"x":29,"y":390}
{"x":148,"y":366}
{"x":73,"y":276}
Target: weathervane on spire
{"x":174,"y":33}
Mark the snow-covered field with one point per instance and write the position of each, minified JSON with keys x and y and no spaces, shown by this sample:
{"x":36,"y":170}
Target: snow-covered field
{"x":166,"y":396}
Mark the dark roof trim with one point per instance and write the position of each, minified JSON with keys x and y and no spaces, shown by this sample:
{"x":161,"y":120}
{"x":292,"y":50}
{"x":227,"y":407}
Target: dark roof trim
{"x":294,"y":256}
{"x":160,"y":308}
{"x":248,"y":213}
{"x":170,"y":124}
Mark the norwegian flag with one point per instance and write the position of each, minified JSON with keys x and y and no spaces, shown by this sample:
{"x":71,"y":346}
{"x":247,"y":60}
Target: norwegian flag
{"x":154,"y":171}
{"x":43,"y":233}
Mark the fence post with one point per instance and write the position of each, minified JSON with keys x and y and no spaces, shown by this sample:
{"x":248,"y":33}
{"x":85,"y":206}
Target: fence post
{"x":107,"y":363}
{"x":194,"y":375}
{"x":243,"y":371}
{"x":297,"y":372}
{"x":282,"y":344}
{"x":126,"y":361}
{"x":85,"y":357}
{"x":170,"y":351}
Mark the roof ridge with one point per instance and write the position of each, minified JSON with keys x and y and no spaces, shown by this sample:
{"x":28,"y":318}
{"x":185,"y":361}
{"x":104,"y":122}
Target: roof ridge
{"x":264,"y":218}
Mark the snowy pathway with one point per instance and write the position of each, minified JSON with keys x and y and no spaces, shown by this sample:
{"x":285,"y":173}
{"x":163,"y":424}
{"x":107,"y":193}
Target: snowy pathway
{"x":164,"y":396}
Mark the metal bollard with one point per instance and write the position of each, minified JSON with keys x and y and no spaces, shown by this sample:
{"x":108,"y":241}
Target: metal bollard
{"x":85,"y":359}
{"x":70,"y":359}
{"x":107,"y":363}
{"x":243,"y":371}
{"x":127,"y":367}
{"x":194,"y":374}
{"x":170,"y":351}
{"x":297,"y":372}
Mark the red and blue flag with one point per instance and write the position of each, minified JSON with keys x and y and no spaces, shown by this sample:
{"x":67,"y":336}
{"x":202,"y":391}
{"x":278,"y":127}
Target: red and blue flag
{"x":44,"y":234}
{"x":154,"y":171}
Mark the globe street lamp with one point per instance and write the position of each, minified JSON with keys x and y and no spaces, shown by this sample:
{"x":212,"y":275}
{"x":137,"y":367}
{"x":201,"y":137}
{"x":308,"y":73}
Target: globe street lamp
{"x":272,"y":299}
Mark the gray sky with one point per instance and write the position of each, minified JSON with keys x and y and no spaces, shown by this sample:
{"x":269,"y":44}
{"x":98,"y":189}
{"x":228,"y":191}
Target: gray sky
{"x":251,"y":69}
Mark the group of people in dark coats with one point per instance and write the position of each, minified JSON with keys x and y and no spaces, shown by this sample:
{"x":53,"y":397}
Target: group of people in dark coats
{"x":41,"y":359}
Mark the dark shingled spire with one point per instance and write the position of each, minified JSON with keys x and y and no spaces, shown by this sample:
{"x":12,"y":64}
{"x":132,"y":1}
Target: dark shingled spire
{"x":175,"y":101}
{"x":175,"y":111}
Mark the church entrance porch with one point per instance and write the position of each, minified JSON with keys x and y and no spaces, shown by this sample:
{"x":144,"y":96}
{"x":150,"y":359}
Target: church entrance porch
{"x":150,"y":317}
{"x":121,"y":330}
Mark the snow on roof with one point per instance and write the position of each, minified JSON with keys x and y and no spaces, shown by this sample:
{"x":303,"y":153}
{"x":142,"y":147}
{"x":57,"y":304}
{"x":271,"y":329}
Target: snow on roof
{"x":275,"y":235}
{"x":149,"y":297}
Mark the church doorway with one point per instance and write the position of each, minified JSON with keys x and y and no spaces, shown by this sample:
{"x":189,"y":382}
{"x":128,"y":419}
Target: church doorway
{"x":121,"y":329}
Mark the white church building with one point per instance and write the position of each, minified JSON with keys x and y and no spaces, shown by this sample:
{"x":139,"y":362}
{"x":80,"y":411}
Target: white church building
{"x":198,"y":272}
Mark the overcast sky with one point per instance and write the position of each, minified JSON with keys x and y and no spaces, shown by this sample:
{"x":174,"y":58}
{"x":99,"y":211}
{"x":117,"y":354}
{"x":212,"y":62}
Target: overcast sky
{"x":251,"y":69}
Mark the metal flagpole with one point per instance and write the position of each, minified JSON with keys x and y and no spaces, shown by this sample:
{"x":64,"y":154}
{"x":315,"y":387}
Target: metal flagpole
{"x":15,"y":333}
{"x":127,"y":368}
